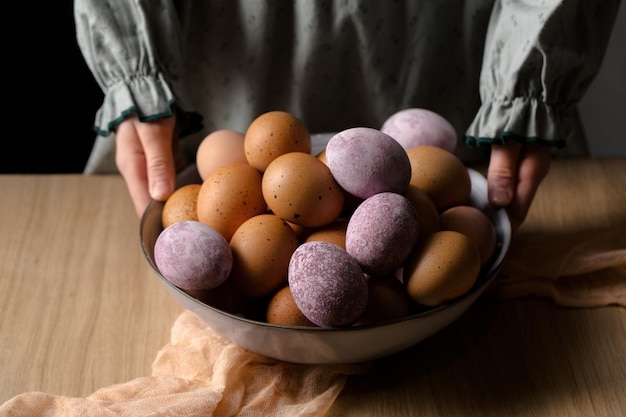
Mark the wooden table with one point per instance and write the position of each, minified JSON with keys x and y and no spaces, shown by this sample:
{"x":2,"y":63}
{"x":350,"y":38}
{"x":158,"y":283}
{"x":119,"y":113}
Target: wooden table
{"x":80,"y":309}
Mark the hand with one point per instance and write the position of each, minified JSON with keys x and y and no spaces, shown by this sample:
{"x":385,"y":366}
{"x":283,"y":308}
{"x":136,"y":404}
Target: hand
{"x":514,"y":174}
{"x":146,"y":156}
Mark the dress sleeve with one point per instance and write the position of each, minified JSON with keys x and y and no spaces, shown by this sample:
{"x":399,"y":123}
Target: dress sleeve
{"x":539,"y":59}
{"x":133,"y":49}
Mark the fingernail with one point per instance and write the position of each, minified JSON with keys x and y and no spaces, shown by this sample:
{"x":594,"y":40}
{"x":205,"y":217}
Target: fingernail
{"x":500,"y":196}
{"x":160,"y":191}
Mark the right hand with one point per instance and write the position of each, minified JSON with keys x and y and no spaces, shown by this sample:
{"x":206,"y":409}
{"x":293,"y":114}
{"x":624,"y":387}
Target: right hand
{"x":147,"y":156}
{"x":515,"y":172}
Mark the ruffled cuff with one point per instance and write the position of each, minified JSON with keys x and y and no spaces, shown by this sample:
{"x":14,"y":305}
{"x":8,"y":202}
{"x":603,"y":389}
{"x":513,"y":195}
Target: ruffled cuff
{"x":523,"y":119}
{"x":149,"y":98}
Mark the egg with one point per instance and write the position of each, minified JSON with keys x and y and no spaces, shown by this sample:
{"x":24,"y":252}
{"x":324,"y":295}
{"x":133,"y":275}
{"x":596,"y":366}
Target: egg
{"x":441,"y":175}
{"x":225,"y":297}
{"x":388,"y":300}
{"x":475,"y":224}
{"x":219,"y":148}
{"x":442,"y":267}
{"x":229,"y":196}
{"x":322,"y":156}
{"x":382,"y":232}
{"x":301,"y":231}
{"x":366,"y":161}
{"x":427,"y":214}
{"x":181,"y":205}
{"x":193,"y":256}
{"x":327,"y":284}
{"x":350,"y":202}
{"x":417,"y":126}
{"x":283,"y":310}
{"x":333,"y":233}
{"x":300,"y":188}
{"x":262,"y":247}
{"x":273,"y":134}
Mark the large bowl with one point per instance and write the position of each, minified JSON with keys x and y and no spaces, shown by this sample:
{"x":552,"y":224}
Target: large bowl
{"x":331,"y":345}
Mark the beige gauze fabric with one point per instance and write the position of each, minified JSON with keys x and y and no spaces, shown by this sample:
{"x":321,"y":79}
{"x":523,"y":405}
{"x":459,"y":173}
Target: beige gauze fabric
{"x":584,"y":269}
{"x":199,"y":373}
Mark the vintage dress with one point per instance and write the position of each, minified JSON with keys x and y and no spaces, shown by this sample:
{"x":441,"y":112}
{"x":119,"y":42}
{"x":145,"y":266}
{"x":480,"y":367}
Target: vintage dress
{"x":495,"y":69}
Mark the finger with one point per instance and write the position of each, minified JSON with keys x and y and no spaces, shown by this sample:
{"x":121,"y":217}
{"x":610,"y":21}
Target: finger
{"x":156,"y":138}
{"x":131,"y":163}
{"x":534,"y":164}
{"x":502,"y":173}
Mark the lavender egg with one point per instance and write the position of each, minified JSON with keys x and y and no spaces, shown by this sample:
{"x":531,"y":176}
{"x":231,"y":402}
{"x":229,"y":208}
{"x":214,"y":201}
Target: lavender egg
{"x":381,"y":233}
{"x":415,"y":127}
{"x":366,"y":161}
{"x":327,"y":284}
{"x":193,"y":255}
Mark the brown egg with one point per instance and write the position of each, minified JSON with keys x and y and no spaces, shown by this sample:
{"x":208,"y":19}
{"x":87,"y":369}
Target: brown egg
{"x":301,"y":231}
{"x":474,"y":224}
{"x":441,"y":175}
{"x":226,"y":297}
{"x":333,"y":233}
{"x":282,"y":310}
{"x":299,"y":188}
{"x":262,"y":247}
{"x":442,"y":267}
{"x":427,"y":214}
{"x":181,"y":205}
{"x":273,"y":134}
{"x":350,"y":202}
{"x":229,"y":196}
{"x":387,"y":300}
{"x":219,"y":148}
{"x":322,"y":156}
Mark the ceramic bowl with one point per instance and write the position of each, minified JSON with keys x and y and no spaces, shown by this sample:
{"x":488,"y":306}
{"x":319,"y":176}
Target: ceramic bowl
{"x":331,"y":345}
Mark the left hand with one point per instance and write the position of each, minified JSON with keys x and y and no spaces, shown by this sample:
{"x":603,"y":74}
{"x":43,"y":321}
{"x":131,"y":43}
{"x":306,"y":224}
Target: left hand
{"x":513,"y":177}
{"x":147,"y":156}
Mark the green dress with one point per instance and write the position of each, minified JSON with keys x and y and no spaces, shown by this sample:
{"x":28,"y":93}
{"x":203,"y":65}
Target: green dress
{"x":497,"y":70}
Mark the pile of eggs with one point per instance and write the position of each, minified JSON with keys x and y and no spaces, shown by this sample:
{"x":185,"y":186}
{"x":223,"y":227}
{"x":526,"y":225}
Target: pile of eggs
{"x":375,"y":227}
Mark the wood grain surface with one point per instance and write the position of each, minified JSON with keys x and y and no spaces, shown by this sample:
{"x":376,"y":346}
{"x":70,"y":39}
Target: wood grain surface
{"x":80,"y":309}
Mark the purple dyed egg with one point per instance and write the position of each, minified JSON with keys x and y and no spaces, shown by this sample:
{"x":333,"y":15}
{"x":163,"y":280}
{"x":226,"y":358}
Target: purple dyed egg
{"x":415,"y":127}
{"x":193,"y":255}
{"x":382,"y":232}
{"x":327,"y":284}
{"x":366,"y":161}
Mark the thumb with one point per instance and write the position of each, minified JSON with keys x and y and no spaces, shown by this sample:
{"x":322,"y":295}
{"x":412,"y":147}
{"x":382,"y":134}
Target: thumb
{"x":156,"y":138}
{"x":502,"y":173}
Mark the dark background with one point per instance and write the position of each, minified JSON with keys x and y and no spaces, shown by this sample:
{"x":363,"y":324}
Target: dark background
{"x":50,"y":97}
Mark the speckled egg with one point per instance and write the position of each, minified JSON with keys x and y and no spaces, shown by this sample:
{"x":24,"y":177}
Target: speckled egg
{"x":327,"y":284}
{"x":262,"y":247}
{"x":441,"y":175}
{"x":273,"y":134}
{"x":283,"y":310}
{"x":229,"y":196}
{"x":300,"y":188}
{"x":181,"y":205}
{"x":474,"y":224}
{"x":442,"y":267}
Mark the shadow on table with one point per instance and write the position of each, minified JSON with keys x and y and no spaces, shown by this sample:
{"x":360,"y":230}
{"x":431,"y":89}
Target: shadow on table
{"x":501,"y":357}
